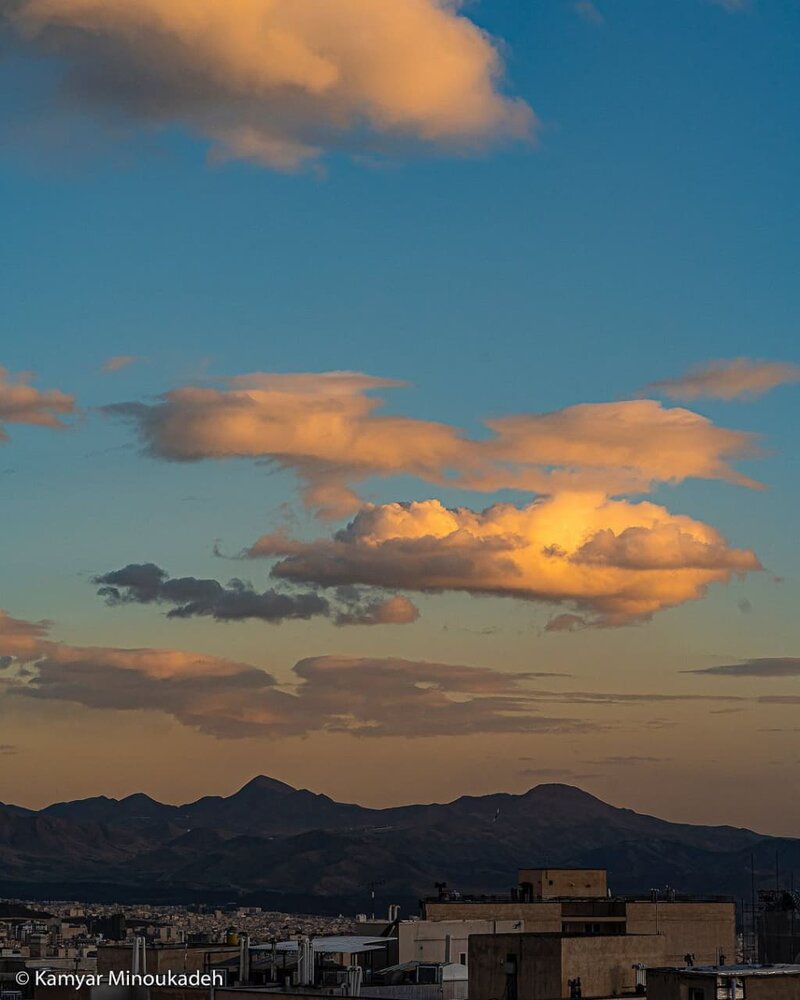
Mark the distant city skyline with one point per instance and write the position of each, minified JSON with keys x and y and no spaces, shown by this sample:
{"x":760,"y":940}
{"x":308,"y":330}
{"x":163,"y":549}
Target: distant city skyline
{"x":401,"y":427}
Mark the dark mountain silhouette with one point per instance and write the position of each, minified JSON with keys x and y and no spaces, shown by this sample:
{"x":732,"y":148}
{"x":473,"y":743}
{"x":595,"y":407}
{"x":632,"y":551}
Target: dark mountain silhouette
{"x":273,"y":843}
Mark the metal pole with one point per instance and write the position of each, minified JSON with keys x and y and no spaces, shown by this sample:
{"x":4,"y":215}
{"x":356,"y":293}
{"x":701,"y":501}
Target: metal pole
{"x":753,"y":905}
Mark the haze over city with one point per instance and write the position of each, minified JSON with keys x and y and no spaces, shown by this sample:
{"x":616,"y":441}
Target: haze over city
{"x":405,"y":412}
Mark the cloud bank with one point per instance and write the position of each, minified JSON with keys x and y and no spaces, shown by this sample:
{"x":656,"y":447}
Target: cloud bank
{"x":611,"y":561}
{"x":193,"y":597}
{"x":739,"y":378}
{"x":362,"y":697}
{"x":326,"y":429}
{"x":21,"y":403}
{"x":280,"y":82}
{"x":614,"y":562}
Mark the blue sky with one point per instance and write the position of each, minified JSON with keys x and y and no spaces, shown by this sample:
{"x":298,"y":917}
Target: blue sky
{"x":652,"y":226}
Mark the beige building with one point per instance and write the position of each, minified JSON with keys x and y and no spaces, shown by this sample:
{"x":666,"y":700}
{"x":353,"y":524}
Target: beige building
{"x":703,"y":928}
{"x":776,"y":982}
{"x":445,"y":940}
{"x":550,"y":883}
{"x":543,"y":966}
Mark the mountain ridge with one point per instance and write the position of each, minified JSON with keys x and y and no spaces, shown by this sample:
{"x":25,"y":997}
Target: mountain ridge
{"x":269,"y":840}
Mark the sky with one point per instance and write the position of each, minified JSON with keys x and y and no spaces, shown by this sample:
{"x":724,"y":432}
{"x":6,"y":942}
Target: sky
{"x":400,"y":399}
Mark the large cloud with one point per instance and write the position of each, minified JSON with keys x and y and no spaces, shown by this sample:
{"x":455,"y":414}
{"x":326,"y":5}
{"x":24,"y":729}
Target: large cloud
{"x":21,"y":403}
{"x":228,"y":699}
{"x":325,"y":428}
{"x":616,"y":562}
{"x":739,"y":378}
{"x":193,"y":597}
{"x":282,"y":81}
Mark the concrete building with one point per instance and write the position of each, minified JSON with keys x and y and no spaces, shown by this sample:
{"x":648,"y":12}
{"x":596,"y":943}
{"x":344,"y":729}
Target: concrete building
{"x":703,"y":928}
{"x":552,"y":883}
{"x":445,"y":940}
{"x":730,"y":982}
{"x":548,"y":966}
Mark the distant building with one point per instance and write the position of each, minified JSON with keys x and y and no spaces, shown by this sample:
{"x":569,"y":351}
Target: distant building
{"x":778,"y":926}
{"x":731,"y":982}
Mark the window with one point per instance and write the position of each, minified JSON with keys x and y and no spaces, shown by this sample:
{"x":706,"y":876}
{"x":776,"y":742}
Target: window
{"x":697,"y":993}
{"x":463,"y":958}
{"x":511,"y":977}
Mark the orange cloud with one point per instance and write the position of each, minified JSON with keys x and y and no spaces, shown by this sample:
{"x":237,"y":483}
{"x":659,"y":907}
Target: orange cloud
{"x":615,"y":562}
{"x":738,"y":378}
{"x":282,"y":81}
{"x":619,"y":447}
{"x":325,"y":427}
{"x":361,"y":697}
{"x":21,"y":403}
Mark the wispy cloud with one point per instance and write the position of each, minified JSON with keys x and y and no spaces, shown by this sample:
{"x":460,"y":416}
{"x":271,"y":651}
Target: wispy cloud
{"x":118,"y":362}
{"x":21,"y":403}
{"x":326,"y":429}
{"x":589,"y":11}
{"x":631,"y":761}
{"x":556,"y":774}
{"x":738,"y":378}
{"x":285,"y":82}
{"x":768,"y":666}
{"x":732,"y":6}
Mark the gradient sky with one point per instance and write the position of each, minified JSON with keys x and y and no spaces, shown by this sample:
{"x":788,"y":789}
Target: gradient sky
{"x":618,"y":209}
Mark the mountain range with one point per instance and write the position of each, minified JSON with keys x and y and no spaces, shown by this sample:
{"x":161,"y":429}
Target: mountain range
{"x":286,"y":848}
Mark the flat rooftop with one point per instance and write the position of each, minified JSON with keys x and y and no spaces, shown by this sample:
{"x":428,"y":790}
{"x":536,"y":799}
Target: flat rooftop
{"x":454,"y":896}
{"x":735,"y":971}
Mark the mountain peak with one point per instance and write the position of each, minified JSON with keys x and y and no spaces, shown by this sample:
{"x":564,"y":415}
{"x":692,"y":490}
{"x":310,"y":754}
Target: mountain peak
{"x":263,"y":783}
{"x":559,"y":790}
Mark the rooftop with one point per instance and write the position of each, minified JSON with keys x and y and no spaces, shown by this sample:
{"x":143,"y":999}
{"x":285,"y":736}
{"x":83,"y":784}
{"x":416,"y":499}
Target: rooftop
{"x":736,"y":971}
{"x":454,"y":896}
{"x":332,"y":944}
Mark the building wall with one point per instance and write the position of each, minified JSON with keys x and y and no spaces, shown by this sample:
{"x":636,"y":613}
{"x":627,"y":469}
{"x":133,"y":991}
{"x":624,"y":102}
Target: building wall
{"x":538,"y":965}
{"x":772,"y":988}
{"x":546,"y":963}
{"x":605,"y":964}
{"x":700,"y":928}
{"x":426,"y":940}
{"x":552,"y":882}
{"x":675,"y":986}
{"x":540,"y":917}
{"x":704,"y":929}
